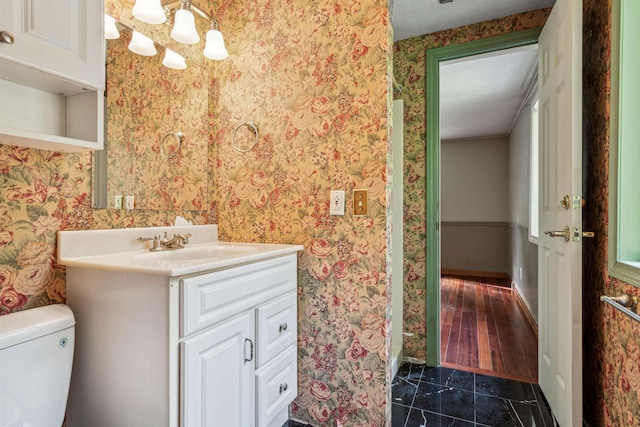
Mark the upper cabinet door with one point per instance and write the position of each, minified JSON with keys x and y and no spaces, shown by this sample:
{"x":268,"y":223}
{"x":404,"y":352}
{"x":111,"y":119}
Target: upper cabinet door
{"x":63,"y":38}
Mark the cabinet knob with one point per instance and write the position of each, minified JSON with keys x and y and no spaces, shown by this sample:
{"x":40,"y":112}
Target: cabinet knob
{"x":283,"y":327}
{"x":6,"y":37}
{"x":283,"y":387}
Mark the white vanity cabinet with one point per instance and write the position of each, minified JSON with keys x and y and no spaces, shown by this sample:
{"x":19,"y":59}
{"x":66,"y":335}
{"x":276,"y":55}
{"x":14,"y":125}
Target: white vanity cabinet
{"x":52,"y":74}
{"x":217,"y":348}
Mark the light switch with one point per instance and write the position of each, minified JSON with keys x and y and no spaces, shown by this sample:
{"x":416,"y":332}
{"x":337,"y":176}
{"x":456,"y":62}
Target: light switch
{"x":337,"y":202}
{"x":360,"y":202}
{"x":128,"y":203}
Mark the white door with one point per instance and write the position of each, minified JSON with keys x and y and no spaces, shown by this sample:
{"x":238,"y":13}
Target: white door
{"x":560,"y":261}
{"x":217,"y":375}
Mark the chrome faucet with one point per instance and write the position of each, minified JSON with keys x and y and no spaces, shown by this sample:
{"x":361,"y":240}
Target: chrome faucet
{"x":176,"y":242}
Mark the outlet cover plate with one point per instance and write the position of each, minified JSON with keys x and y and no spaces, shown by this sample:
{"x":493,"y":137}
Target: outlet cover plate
{"x":336,"y":202}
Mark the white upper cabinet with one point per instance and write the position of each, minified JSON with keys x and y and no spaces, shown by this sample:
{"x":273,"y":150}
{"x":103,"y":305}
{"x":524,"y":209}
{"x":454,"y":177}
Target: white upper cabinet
{"x":62,"y":38}
{"x":52,"y":74}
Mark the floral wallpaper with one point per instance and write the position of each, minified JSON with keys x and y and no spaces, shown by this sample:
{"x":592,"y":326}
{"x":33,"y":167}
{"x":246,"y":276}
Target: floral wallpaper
{"x":145,"y":102}
{"x":315,"y":78}
{"x":610,"y":339}
{"x":409,"y":70}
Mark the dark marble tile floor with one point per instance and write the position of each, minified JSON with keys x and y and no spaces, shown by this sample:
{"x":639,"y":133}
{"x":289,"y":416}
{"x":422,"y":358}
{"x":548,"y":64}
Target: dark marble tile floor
{"x":424,"y":397}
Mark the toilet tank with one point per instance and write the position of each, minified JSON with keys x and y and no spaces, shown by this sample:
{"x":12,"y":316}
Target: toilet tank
{"x":36,"y":354}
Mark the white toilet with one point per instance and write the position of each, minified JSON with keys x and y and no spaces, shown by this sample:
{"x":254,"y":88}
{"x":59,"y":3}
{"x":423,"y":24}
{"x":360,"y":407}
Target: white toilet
{"x":36,"y":354}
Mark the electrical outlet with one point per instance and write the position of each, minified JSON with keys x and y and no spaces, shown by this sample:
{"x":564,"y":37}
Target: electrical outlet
{"x":360,"y":202}
{"x":337,"y":202}
{"x":128,"y":203}
{"x":117,"y":202}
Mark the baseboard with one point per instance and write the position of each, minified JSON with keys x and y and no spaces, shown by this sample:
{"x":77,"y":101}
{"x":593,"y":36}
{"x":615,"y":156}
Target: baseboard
{"x":530,"y":320}
{"x":475,"y":273}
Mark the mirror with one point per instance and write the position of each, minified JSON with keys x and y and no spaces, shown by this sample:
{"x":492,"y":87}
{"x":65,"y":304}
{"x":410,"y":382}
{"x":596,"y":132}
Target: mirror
{"x":147,"y":107}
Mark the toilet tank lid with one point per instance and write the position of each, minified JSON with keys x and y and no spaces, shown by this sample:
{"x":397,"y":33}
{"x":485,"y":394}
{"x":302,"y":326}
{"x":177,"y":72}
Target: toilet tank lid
{"x":26,"y":325}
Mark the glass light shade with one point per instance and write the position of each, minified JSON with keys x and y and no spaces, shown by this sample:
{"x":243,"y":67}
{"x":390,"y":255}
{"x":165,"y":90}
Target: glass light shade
{"x":142,"y":45}
{"x":149,"y":11}
{"x":110,"y":30}
{"x":173,"y":60}
{"x":184,"y":28}
{"x":215,"y":49}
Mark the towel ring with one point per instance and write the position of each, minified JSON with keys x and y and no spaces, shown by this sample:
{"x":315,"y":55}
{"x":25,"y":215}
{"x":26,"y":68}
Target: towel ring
{"x":179,"y":136}
{"x":251,"y":126}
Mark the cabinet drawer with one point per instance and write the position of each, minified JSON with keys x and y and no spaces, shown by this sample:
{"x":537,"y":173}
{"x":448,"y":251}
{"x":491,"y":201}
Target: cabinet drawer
{"x":277,"y":327}
{"x":210,"y":298}
{"x":276,"y":385}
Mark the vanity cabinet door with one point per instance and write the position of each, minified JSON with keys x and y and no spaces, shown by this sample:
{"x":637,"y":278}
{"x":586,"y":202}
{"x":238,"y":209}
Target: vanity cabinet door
{"x":217,"y":372}
{"x":63,"y":38}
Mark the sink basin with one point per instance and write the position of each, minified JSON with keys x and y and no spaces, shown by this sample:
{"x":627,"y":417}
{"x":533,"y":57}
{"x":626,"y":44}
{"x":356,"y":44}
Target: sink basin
{"x":193,"y":253}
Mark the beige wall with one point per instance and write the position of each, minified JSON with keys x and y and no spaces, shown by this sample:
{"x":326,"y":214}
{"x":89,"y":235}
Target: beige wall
{"x":475,"y":201}
{"x":474,"y":179}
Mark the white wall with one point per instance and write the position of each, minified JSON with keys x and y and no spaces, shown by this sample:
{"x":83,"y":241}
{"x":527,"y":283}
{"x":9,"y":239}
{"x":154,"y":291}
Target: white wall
{"x":474,"y":180}
{"x":523,"y":254}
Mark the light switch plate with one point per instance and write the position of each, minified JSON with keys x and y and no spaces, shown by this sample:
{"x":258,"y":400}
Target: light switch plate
{"x":128,"y":203}
{"x":336,"y":202}
{"x":360,"y":202}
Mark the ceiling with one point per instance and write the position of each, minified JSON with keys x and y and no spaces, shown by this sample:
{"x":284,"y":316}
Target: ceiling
{"x":418,"y":17}
{"x":480,"y":96}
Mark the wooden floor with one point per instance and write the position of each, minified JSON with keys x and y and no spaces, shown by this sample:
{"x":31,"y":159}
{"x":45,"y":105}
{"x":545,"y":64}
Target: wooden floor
{"x":484,"y":330}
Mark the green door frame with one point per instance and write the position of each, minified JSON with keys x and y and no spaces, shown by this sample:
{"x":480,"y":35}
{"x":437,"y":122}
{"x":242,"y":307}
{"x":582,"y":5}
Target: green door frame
{"x":434,"y":57}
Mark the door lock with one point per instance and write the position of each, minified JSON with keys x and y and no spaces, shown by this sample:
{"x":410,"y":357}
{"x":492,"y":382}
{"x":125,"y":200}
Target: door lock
{"x":567,"y":234}
{"x":577,"y":234}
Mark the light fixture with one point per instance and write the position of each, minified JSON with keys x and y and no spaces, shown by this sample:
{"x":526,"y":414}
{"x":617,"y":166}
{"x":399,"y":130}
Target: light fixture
{"x":110,"y":30}
{"x":214,"y":48}
{"x":173,"y":60}
{"x":184,"y":29}
{"x":184,"y":26}
{"x":141,"y":44}
{"x":149,"y":11}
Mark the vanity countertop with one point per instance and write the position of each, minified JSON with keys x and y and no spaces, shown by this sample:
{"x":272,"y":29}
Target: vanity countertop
{"x":119,"y":250}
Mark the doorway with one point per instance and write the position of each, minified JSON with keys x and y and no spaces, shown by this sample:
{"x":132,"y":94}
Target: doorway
{"x":433,"y":155}
{"x":486,"y":134}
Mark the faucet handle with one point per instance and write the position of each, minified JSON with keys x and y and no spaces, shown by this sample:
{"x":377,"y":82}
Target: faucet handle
{"x":147,"y":239}
{"x":155,"y":239}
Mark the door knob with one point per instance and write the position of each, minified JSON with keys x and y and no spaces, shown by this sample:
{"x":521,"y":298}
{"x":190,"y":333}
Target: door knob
{"x":6,"y":37}
{"x":566,"y":233}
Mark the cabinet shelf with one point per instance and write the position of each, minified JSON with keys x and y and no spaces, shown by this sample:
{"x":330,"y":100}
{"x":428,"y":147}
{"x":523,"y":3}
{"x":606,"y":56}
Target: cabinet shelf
{"x":33,"y":118}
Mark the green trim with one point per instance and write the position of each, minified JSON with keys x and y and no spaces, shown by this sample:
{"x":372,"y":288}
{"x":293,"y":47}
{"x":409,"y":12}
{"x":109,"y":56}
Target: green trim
{"x":432,"y":199}
{"x":624,"y":206}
